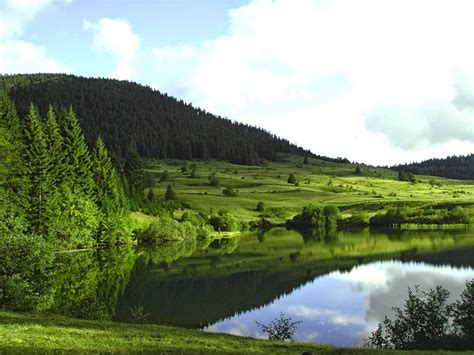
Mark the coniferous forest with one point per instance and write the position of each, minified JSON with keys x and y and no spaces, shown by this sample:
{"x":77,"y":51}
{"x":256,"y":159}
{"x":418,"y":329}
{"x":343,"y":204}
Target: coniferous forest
{"x":131,"y":116}
{"x":53,"y":185}
{"x":454,"y":167}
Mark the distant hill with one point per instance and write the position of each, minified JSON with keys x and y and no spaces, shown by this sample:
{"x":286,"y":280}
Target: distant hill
{"x":128,"y":115}
{"x":455,"y":167}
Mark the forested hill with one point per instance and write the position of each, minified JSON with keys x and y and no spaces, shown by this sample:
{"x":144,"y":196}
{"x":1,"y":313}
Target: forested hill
{"x":455,"y":167}
{"x":131,"y":116}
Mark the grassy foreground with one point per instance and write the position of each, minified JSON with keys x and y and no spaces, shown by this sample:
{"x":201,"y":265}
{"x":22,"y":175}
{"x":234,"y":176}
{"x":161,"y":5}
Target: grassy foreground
{"x":21,"y":333}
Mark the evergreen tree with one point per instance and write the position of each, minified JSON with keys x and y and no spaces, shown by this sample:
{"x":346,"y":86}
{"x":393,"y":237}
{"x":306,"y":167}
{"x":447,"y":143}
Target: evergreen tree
{"x":55,"y":146}
{"x":109,"y":195}
{"x":78,"y":217}
{"x":37,"y":168}
{"x":77,"y":156}
{"x":133,"y":172}
{"x":12,"y":150}
{"x":170,"y":194}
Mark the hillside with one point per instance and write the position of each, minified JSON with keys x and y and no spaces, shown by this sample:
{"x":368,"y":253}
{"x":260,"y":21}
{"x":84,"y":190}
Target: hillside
{"x":455,"y":167}
{"x":128,"y":115}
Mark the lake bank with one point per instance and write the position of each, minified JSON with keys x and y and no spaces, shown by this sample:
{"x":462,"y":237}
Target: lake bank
{"x":26,"y":333}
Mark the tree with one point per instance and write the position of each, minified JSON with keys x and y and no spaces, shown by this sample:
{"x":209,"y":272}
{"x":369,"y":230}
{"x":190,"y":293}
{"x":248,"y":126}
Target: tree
{"x":12,"y":153}
{"x":229,"y":192}
{"x":425,"y":322}
{"x":292,"y":179}
{"x":170,"y":195}
{"x":305,"y":161}
{"x":260,"y":206}
{"x":114,"y":213}
{"x":133,"y":172}
{"x":165,"y":176}
{"x":463,"y":312}
{"x":357,"y":170}
{"x":77,"y":156}
{"x":37,"y":168}
{"x":282,"y":328}
{"x":213,"y":180}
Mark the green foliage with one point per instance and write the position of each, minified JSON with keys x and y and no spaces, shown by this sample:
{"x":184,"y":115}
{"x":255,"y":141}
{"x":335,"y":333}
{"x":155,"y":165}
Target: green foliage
{"x":165,"y":176}
{"x":25,"y":271}
{"x":260,"y":206}
{"x":406,"y":176}
{"x":78,"y":158}
{"x":314,"y":217}
{"x":425,"y":322}
{"x":357,"y":170}
{"x":224,"y":222}
{"x":229,"y":191}
{"x":213,"y":180}
{"x":170,"y":195}
{"x":463,"y":313}
{"x":37,"y":162}
{"x":114,"y":221}
{"x":395,"y":217}
{"x":292,"y":179}
{"x":282,"y":328}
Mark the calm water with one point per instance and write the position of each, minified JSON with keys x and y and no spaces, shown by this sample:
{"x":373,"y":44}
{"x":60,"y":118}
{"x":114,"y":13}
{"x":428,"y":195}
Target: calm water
{"x":339,"y":285}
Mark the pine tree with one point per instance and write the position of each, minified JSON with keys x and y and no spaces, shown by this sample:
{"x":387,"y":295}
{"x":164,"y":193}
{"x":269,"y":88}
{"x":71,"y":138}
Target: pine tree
{"x":78,"y":218}
{"x":109,"y":195}
{"x":55,"y":146}
{"x":37,"y":165}
{"x":12,"y":150}
{"x":78,"y":159}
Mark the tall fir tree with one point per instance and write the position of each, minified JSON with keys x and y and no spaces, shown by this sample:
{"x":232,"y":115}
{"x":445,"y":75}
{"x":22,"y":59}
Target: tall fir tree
{"x":12,"y":167}
{"x":78,"y":169}
{"x":55,"y":146}
{"x":109,"y":197}
{"x":37,"y":168}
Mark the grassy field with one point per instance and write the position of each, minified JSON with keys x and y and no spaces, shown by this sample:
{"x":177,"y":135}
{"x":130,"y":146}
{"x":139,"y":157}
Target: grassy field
{"x":319,"y":182}
{"x":25,"y":333}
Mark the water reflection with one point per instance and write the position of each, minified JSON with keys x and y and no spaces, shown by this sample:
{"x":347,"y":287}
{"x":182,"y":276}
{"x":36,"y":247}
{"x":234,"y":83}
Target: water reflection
{"x":343,"y":307}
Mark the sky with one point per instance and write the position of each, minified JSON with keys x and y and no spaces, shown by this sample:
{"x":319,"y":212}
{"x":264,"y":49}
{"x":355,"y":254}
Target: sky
{"x":377,"y":81}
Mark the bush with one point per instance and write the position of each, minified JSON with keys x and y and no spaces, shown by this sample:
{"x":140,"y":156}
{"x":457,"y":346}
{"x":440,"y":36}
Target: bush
{"x":170,"y":195}
{"x":160,"y":232}
{"x":224,"y":222}
{"x":260,"y":206}
{"x":425,"y":322}
{"x":282,"y":328}
{"x":292,"y":179}
{"x":165,"y":176}
{"x":229,"y":192}
{"x":213,"y":180}
{"x":26,"y":267}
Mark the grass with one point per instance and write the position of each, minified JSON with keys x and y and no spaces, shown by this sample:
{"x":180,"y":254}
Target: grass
{"x":319,"y":183}
{"x":26,"y":333}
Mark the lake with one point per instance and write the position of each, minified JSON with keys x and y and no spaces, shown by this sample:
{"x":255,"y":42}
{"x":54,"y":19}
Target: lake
{"x":339,"y":285}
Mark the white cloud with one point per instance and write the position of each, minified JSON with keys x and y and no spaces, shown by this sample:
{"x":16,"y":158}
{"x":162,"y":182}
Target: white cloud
{"x":24,"y":57}
{"x":325,"y":74}
{"x":16,"y":14}
{"x":19,"y":56}
{"x":116,"y":36}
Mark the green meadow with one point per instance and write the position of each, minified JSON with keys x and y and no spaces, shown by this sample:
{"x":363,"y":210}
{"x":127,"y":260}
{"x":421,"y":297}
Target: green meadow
{"x":319,"y":182}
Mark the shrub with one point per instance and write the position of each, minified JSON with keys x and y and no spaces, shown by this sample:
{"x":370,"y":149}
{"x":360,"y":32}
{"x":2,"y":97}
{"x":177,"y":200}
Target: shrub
{"x":282,"y":328}
{"x":425,"y":322}
{"x":26,"y":267}
{"x":213,"y":180}
{"x":260,"y":206}
{"x":165,"y":176}
{"x":224,"y":222}
{"x":292,"y":179}
{"x":229,"y":192}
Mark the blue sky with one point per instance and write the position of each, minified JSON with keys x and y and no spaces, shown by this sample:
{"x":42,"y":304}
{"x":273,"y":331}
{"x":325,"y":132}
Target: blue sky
{"x":377,"y":81}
